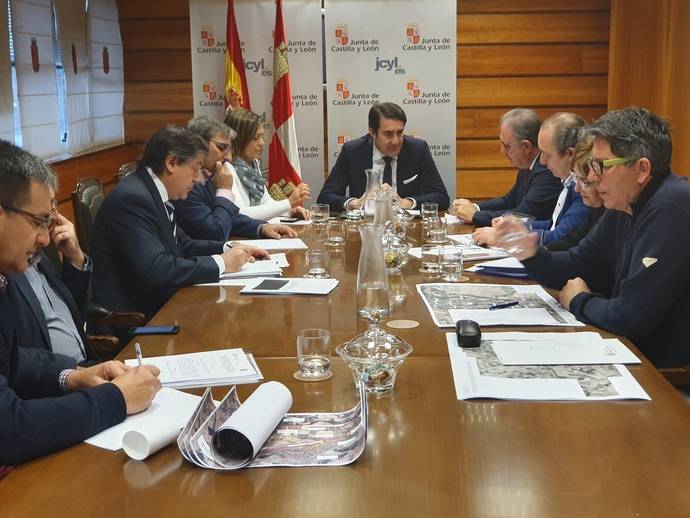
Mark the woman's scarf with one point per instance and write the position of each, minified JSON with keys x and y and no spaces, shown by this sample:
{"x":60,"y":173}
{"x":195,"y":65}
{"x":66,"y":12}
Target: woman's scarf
{"x":251,"y":178}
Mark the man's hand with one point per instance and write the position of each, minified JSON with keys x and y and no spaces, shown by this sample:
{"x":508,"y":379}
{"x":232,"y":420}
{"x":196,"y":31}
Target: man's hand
{"x":96,"y":375}
{"x":300,"y":193}
{"x":485,"y":236}
{"x":572,"y":288}
{"x":223,"y":177}
{"x":463,"y":209}
{"x":238,"y":255}
{"x":300,"y":212}
{"x":65,"y":240}
{"x":138,"y":386}
{"x":277,"y":231}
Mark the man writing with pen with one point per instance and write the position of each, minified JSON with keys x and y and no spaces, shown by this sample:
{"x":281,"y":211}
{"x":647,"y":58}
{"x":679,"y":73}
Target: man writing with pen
{"x":46,"y":403}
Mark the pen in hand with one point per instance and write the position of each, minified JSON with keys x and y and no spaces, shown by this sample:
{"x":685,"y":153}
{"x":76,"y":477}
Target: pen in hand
{"x":137,"y":350}
{"x":503,"y":305}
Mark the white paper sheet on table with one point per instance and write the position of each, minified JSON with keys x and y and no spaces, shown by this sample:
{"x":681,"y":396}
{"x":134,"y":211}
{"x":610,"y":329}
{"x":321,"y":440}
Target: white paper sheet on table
{"x":506,"y":262}
{"x":585,"y":348}
{"x":170,"y":405}
{"x":477,"y":373}
{"x":505,"y":317}
{"x":290,"y":286}
{"x":299,"y":222}
{"x":453,"y":220}
{"x":285,"y":243}
{"x":205,"y":368}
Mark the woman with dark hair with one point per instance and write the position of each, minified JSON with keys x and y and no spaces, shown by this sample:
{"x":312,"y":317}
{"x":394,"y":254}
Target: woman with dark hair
{"x":249,"y":184}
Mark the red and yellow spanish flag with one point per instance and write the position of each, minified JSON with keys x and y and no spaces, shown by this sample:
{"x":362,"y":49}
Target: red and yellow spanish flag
{"x":236,"y":92}
{"x":283,"y":155}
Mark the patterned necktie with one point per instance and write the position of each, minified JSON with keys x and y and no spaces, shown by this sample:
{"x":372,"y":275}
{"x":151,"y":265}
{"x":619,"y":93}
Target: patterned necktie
{"x":388,"y":171}
{"x":171,"y":216}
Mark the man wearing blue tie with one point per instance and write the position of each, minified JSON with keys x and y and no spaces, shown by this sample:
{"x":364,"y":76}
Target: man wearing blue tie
{"x":406,"y":162}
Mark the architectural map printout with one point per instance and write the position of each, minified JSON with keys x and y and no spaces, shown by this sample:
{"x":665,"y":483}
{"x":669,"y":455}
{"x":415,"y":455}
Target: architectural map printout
{"x":259,"y":433}
{"x":478,"y":373}
{"x":442,"y":298}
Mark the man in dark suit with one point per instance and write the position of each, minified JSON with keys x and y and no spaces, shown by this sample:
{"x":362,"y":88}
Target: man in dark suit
{"x":45,"y":404}
{"x":209,"y":212}
{"x":406,"y":163}
{"x":58,"y":303}
{"x":141,"y":256}
{"x":535,"y":191}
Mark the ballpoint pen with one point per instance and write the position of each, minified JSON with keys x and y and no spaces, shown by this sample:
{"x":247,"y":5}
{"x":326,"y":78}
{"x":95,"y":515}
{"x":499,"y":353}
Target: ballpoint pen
{"x":503,"y":305}
{"x":137,"y":351}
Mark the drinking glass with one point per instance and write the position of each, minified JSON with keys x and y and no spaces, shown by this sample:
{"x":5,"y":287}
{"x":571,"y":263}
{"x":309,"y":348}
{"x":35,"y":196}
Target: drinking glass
{"x":336,"y":232}
{"x":353,"y":210}
{"x":436,"y":230}
{"x":511,"y":241}
{"x":320,"y":213}
{"x":451,"y":264}
{"x":313,"y":355}
{"x":317,"y":264}
{"x":431,"y":259}
{"x":429,"y":210}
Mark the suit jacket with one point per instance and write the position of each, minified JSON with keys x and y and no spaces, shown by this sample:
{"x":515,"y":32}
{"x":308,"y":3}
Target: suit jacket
{"x":138,"y":264}
{"x":73,"y":288}
{"x":203,"y":215}
{"x":37,"y":418}
{"x":535,"y":193}
{"x":578,"y":233}
{"x":572,"y":214}
{"x":415,"y":164}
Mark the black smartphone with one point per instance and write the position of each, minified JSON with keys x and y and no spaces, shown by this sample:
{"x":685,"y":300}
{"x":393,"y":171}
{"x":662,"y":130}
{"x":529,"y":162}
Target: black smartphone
{"x":154,"y":330}
{"x":288,"y":220}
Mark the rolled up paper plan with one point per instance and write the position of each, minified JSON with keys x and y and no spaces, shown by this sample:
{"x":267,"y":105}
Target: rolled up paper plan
{"x":246,"y":430}
{"x":139,"y":444}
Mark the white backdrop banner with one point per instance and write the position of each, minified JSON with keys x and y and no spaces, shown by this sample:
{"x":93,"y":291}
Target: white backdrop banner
{"x":400,"y":51}
{"x":255,"y":23}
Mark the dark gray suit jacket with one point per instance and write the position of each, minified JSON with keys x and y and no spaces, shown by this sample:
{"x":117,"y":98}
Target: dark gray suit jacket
{"x":138,"y":264}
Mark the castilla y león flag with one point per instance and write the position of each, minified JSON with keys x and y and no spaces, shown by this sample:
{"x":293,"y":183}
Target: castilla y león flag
{"x":236,"y":92}
{"x":283,"y":155}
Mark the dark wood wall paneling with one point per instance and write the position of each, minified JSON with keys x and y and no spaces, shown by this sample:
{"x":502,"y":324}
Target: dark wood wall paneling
{"x":550,"y":55}
{"x":649,"y":66}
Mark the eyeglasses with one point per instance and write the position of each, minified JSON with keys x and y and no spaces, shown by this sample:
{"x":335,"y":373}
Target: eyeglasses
{"x":222,"y":146}
{"x":598,"y":166}
{"x":42,"y":223}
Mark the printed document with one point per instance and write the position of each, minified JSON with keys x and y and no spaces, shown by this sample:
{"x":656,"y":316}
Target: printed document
{"x":285,"y":243}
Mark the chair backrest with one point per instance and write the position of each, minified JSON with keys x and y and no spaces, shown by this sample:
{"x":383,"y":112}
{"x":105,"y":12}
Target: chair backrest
{"x":124,"y":170}
{"x":86,"y":200}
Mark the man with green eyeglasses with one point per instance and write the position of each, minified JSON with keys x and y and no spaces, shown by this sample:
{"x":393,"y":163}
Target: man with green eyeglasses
{"x":631,"y":274}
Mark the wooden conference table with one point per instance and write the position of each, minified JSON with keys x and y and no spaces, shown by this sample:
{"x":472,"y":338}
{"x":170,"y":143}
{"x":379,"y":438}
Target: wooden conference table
{"x":427,"y":453}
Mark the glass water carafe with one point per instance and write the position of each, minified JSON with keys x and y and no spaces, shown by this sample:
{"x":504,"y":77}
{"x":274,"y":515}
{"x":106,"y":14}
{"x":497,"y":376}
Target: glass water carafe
{"x":372,"y":281}
{"x":374,"y":185}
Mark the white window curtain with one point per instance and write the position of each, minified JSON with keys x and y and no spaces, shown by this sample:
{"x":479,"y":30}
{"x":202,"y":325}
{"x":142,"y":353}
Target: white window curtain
{"x":71,"y":26}
{"x":106,"y":72}
{"x":6,"y":110}
{"x":36,"y":85}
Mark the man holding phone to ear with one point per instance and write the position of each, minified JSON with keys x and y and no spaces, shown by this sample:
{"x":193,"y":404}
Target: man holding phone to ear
{"x":46,"y":404}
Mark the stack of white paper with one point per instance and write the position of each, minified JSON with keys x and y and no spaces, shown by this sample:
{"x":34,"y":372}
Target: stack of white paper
{"x":275,"y":244}
{"x":290,"y":286}
{"x":298,"y":223}
{"x":204,"y":369}
{"x":266,"y":268}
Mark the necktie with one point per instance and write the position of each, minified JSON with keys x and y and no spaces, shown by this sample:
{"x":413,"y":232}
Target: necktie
{"x":388,"y":171}
{"x":171,"y":216}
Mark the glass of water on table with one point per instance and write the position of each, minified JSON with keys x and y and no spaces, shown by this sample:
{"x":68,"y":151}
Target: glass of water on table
{"x":313,"y":355}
